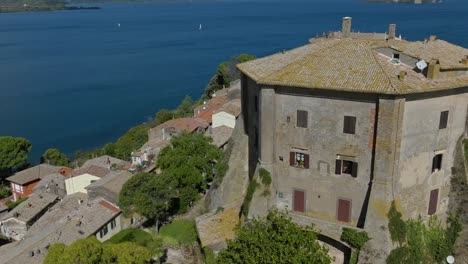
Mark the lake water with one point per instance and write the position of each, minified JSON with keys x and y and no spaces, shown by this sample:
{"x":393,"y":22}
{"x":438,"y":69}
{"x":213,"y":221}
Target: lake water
{"x":75,"y":79}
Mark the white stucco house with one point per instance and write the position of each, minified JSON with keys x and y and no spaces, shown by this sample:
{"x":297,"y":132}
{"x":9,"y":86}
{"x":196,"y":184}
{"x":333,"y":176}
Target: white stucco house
{"x":227,"y":114}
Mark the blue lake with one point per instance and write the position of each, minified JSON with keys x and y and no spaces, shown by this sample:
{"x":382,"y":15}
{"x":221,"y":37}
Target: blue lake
{"x":76,"y":80}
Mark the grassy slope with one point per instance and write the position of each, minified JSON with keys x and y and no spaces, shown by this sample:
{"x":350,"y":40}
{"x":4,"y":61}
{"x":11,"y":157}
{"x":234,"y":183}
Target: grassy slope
{"x":179,"y":232}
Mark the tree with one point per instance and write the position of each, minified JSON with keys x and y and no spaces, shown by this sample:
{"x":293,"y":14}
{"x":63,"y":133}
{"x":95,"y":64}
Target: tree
{"x":418,"y":243}
{"x":55,"y":157}
{"x":91,"y":251}
{"x":163,"y":116}
{"x":225,"y":74}
{"x":130,"y":141}
{"x":185,"y":109}
{"x":13,"y":154}
{"x":151,"y":195}
{"x":193,"y":161}
{"x":274,"y":239}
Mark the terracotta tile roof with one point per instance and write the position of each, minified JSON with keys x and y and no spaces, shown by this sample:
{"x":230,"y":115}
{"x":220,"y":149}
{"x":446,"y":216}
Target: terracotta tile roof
{"x":65,"y":222}
{"x":220,"y":135}
{"x":110,"y":206}
{"x":187,"y":124}
{"x":92,"y":169}
{"x":29,"y":209}
{"x":353,"y":64}
{"x":206,"y":110}
{"x":105,"y":160}
{"x":232,"y":107}
{"x":33,"y":173}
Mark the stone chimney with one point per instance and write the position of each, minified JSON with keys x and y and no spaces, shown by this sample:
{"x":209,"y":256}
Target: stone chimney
{"x":402,"y":75}
{"x":346,"y":27}
{"x":391,"y":31}
{"x":465,"y":60}
{"x":434,"y":69}
{"x":432,"y":38}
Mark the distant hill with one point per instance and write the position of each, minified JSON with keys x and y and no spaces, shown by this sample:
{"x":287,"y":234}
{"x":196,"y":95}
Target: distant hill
{"x":405,"y":1}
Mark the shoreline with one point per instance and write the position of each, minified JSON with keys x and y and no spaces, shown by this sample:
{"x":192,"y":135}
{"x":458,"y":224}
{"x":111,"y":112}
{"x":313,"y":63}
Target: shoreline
{"x":27,"y":9}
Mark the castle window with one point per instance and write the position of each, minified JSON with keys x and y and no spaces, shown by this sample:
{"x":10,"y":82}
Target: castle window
{"x":349,"y":125}
{"x":298,"y":159}
{"x":302,"y":117}
{"x":345,"y":166}
{"x":443,"y":119}
{"x":436,"y":163}
{"x":396,"y":56}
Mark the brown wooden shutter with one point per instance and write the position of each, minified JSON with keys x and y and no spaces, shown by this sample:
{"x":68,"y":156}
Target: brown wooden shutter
{"x":355,"y":170}
{"x":434,"y":197}
{"x":443,"y":119}
{"x":338,"y":167}
{"x":302,"y":117}
{"x":306,"y":161}
{"x":349,"y":125}
{"x":344,"y":210}
{"x":299,"y":201}
{"x":292,"y":158}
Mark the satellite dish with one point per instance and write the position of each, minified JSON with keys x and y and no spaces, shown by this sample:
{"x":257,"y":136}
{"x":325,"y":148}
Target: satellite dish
{"x":421,"y":65}
{"x":450,"y":260}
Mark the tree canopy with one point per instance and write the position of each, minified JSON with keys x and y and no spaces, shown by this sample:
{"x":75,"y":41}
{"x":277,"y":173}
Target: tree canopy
{"x":91,"y":251}
{"x":151,"y":195}
{"x":192,"y":161}
{"x":274,"y":239}
{"x":226,"y":73}
{"x":55,"y":157}
{"x":13,"y":153}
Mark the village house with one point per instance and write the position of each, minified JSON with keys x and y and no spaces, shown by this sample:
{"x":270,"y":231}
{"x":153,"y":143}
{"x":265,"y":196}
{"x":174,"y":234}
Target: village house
{"x":15,"y":224}
{"x":23,"y":182}
{"x":72,"y":218}
{"x":227,"y":114}
{"x":91,"y":171}
{"x":353,"y":121}
{"x":206,"y":110}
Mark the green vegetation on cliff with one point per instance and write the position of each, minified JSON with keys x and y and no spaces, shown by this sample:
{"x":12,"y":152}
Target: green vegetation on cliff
{"x":274,"y":239}
{"x":418,"y":243}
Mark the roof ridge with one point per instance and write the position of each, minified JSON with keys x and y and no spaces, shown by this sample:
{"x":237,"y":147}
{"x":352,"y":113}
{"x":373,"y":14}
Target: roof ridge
{"x":390,"y":83}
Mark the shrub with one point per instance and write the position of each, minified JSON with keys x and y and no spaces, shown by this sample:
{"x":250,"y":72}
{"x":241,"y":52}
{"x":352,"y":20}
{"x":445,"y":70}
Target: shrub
{"x":265,"y":177}
{"x":11,"y":205}
{"x":248,"y":197}
{"x":4,"y":192}
{"x":209,"y":256}
{"x":356,"y":239}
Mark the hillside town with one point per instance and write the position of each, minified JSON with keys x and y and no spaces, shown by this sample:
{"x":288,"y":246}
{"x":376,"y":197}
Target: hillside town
{"x":348,"y":135}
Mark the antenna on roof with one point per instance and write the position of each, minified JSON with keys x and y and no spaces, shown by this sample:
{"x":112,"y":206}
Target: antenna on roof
{"x":421,"y":65}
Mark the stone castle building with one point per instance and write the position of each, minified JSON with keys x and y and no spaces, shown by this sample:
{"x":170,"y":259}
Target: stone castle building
{"x":352,"y":121}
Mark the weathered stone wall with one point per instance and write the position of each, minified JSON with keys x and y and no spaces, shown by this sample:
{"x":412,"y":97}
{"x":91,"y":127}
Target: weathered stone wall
{"x":323,"y":140}
{"x":421,"y":141}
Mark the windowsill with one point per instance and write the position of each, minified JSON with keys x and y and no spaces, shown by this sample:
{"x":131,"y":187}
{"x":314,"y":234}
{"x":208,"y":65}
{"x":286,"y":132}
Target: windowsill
{"x":298,"y":167}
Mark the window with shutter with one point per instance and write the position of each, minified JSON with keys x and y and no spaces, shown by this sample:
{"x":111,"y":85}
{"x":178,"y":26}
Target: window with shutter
{"x":443,"y":119}
{"x":349,"y":125}
{"x":346,"y":167}
{"x":298,"y":159}
{"x":433,"y":199}
{"x":437,"y":163}
{"x":302,"y":117}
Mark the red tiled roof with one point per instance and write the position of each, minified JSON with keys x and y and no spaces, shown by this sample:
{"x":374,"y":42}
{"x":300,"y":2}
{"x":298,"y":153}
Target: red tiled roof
{"x":232,"y":107}
{"x":110,"y":206}
{"x":187,"y":124}
{"x":212,"y":105}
